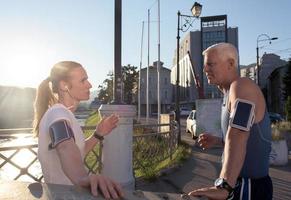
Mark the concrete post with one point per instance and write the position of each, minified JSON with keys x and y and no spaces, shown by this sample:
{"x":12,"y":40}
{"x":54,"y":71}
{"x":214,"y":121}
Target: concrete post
{"x":117,"y":146}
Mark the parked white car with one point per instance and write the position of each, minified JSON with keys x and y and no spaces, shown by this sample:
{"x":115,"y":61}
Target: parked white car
{"x":185,"y":112}
{"x":191,"y":124}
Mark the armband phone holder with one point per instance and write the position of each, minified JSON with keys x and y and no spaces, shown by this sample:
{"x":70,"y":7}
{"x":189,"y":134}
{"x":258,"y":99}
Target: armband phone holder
{"x":243,"y":115}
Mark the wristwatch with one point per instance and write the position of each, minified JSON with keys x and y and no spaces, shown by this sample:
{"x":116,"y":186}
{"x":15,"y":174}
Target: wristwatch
{"x":98,"y":137}
{"x":223,"y":184}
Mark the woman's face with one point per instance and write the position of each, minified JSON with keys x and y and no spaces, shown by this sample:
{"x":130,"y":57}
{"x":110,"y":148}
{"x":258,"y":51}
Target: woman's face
{"x":79,"y":87}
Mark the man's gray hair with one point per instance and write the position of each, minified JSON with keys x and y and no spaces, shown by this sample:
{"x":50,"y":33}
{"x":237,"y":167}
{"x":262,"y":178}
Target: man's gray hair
{"x":225,"y":50}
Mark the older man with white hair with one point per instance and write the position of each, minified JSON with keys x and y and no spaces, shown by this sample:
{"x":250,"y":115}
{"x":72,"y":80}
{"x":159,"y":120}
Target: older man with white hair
{"x":246,"y":131}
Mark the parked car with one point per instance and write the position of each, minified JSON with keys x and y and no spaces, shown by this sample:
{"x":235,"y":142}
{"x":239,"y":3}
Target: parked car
{"x":185,"y":112}
{"x":275,"y":117}
{"x":191,"y":124}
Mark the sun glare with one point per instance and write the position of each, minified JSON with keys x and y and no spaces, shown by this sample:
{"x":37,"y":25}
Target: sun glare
{"x":21,"y":64}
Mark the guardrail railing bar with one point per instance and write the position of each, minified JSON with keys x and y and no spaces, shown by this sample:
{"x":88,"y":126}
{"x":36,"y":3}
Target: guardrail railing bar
{"x":7,"y":160}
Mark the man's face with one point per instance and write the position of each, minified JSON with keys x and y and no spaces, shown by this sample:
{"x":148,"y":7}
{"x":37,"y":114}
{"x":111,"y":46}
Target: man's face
{"x":215,"y":68}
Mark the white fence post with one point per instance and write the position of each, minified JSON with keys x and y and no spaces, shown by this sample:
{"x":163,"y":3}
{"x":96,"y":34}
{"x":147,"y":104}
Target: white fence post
{"x":117,"y":146}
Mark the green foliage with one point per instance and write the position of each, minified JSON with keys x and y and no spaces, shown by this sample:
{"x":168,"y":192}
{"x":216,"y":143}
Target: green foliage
{"x":93,"y":119}
{"x":288,"y":108}
{"x":105,"y":94}
{"x":129,"y":81}
{"x":287,"y":82}
{"x":152,"y":169}
{"x":90,"y":158}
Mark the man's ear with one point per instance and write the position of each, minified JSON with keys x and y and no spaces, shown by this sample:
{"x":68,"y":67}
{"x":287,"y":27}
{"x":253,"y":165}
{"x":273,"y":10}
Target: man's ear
{"x":231,"y":63}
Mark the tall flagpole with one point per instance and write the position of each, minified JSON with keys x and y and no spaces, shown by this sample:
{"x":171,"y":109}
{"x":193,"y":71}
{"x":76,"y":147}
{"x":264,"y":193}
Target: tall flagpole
{"x":147,"y":116}
{"x":140,"y":66}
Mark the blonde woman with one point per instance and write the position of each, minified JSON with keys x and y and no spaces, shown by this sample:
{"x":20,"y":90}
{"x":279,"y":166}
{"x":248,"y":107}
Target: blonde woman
{"x":62,"y":146}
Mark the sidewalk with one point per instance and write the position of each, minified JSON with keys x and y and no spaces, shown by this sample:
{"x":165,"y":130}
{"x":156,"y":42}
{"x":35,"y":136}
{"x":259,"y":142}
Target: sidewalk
{"x":203,"y":168}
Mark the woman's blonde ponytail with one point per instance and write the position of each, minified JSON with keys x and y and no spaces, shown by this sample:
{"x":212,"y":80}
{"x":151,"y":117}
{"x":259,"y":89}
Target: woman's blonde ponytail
{"x":44,"y":99}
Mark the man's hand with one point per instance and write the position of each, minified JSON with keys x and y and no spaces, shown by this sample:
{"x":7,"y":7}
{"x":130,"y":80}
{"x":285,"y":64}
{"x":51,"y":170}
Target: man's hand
{"x":207,"y":141}
{"x":211,"y":193}
{"x":107,"y":124}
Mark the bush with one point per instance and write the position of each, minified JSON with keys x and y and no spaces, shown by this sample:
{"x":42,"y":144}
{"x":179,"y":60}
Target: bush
{"x":288,"y":109}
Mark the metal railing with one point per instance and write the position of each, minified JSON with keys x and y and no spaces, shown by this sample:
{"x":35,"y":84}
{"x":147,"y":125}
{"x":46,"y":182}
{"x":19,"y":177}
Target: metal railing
{"x":150,"y":147}
{"x":93,"y":158}
{"x":12,"y":152}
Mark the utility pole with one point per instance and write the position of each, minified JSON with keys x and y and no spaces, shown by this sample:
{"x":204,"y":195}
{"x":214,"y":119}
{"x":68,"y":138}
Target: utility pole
{"x":159,"y":65}
{"x":140,"y":66}
{"x":147,"y":115}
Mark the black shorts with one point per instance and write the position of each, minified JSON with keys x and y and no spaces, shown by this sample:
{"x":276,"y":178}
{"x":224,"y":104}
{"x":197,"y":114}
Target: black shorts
{"x":256,"y":189}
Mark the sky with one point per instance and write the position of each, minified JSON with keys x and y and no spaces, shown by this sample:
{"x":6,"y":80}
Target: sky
{"x":36,"y":34}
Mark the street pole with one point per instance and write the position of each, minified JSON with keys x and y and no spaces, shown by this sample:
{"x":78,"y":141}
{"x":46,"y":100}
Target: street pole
{"x":117,"y":147}
{"x":117,"y":53}
{"x":178,"y":80}
{"x":147,"y":115}
{"x":258,"y":67}
{"x":159,"y":65}
{"x":196,"y":11}
{"x":140,"y":66}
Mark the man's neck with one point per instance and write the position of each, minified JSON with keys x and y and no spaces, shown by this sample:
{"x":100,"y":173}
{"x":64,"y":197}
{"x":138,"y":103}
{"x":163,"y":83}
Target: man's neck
{"x":224,"y":87}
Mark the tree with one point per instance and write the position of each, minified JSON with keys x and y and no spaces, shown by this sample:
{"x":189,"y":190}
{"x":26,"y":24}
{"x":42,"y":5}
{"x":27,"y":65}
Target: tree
{"x":129,"y":86}
{"x":288,"y":109}
{"x":105,"y":94}
{"x":287,"y":82}
{"x":130,"y":83}
{"x":287,"y":91}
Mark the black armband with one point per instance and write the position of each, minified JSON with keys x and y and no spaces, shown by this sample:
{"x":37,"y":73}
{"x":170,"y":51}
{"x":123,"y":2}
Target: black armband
{"x":59,"y":131}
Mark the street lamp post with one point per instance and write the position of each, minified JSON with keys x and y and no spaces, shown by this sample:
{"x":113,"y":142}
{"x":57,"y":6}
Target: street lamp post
{"x":196,"y":11}
{"x":267,"y":38}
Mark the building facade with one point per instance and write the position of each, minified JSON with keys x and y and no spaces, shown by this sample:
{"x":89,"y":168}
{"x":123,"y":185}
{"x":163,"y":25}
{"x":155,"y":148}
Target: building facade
{"x":269,"y":62}
{"x":213,"y":30}
{"x":165,"y":89}
{"x":248,"y":71}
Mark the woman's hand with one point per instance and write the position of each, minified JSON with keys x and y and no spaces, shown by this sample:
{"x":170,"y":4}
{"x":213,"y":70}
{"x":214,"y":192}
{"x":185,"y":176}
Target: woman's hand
{"x":207,"y":141}
{"x":107,"y":124}
{"x":109,"y":188}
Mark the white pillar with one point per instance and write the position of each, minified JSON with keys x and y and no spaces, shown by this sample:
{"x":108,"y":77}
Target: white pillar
{"x":117,"y":146}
